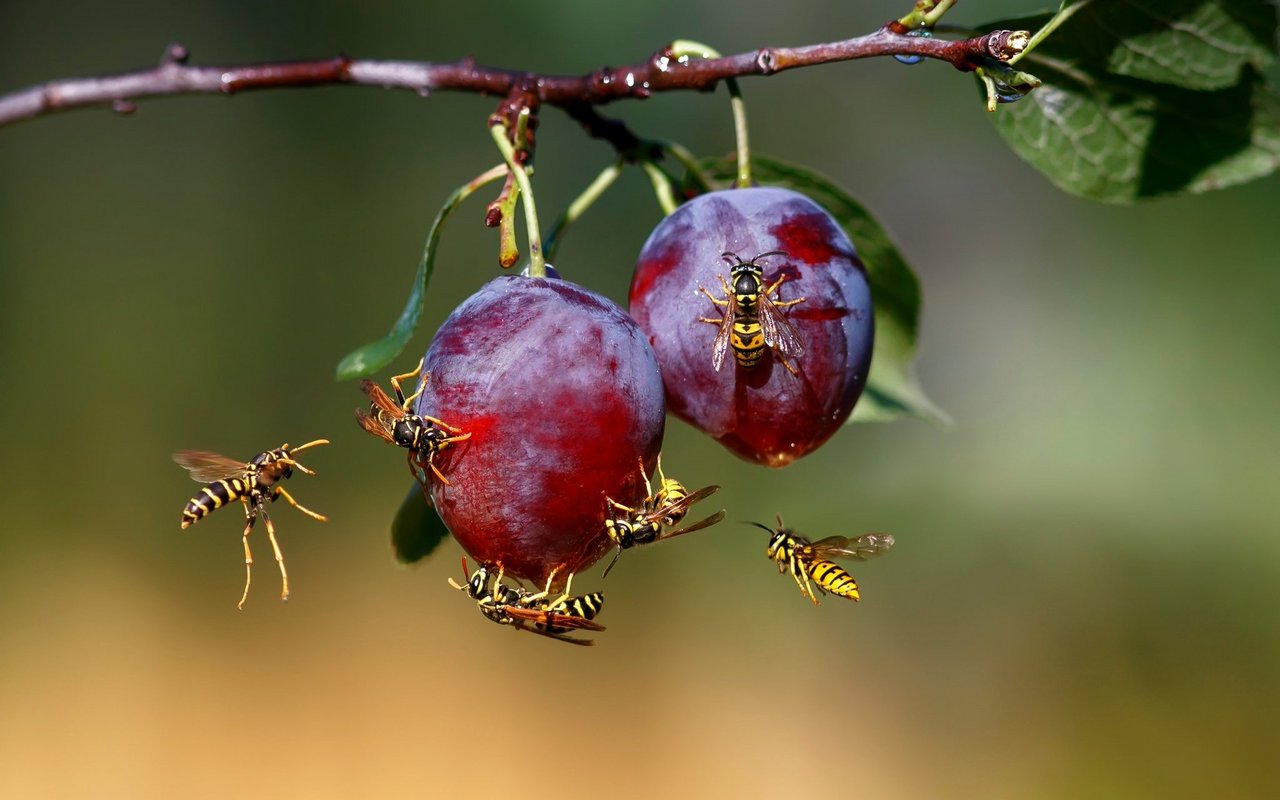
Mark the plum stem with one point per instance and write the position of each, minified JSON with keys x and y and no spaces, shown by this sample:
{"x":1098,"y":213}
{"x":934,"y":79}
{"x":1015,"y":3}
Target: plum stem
{"x":684,"y":48}
{"x":925,"y":14}
{"x":580,"y":205}
{"x":659,"y":73}
{"x":661,"y":186}
{"x":690,"y":164}
{"x":537,"y":263}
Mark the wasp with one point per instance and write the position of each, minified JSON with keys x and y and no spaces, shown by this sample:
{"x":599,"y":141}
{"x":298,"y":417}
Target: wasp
{"x":532,"y":611}
{"x":254,"y":483}
{"x":751,"y":319}
{"x":667,"y":506}
{"x":392,"y":421}
{"x":810,"y":562}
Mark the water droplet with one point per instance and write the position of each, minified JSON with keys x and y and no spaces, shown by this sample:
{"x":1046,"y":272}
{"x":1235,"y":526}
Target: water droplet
{"x":551,"y":272}
{"x":1006,"y":93}
{"x":919,"y":33}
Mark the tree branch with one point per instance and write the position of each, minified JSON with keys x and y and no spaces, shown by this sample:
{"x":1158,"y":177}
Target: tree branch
{"x":662,"y":72}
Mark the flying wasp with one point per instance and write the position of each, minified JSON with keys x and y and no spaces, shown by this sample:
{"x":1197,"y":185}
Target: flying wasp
{"x":254,"y":483}
{"x":392,"y":421}
{"x":516,"y":606}
{"x":810,"y":562}
{"x":751,"y":319}
{"x":667,"y":506}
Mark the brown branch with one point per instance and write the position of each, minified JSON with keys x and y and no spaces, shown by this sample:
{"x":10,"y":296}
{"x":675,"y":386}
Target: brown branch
{"x":662,"y":72}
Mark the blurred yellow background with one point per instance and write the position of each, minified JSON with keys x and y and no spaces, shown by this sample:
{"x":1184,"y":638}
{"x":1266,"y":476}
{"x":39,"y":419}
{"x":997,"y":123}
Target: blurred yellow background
{"x":1082,"y":601}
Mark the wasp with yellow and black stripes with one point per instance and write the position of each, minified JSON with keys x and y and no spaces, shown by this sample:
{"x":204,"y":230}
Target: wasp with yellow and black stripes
{"x":393,"y":421}
{"x":254,"y":483}
{"x":810,"y":562}
{"x":667,"y":506}
{"x":751,"y":320}
{"x":532,"y":611}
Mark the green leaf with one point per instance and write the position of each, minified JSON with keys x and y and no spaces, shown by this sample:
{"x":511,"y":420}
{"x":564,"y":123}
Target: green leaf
{"x":417,"y":529}
{"x":366,"y":360}
{"x":892,"y":390}
{"x":1143,"y":97}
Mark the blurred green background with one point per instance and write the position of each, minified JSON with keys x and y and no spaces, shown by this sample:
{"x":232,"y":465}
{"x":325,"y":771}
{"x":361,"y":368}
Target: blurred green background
{"x":1082,"y":601}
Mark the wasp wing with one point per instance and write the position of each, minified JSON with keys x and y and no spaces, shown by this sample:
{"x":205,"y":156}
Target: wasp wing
{"x":208,"y":467}
{"x":697,"y":526}
{"x":381,"y":401}
{"x":777,"y":331}
{"x":721,"y":344}
{"x":868,"y":545}
{"x":559,"y":637}
{"x":679,"y":507}
{"x":552,"y":619}
{"x":375,"y":424}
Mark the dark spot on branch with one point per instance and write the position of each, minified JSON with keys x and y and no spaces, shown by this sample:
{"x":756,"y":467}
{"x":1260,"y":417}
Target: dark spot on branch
{"x":175,"y":53}
{"x":766,"y":61}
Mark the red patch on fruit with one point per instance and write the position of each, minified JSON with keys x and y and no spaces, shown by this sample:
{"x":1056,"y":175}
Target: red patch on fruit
{"x":806,"y":237}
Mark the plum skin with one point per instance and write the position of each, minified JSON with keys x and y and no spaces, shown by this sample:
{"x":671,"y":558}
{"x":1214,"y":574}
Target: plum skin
{"x":765,"y":414}
{"x":562,"y":395}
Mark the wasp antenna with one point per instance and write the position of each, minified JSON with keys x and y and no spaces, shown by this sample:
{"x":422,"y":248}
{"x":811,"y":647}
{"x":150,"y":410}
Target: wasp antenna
{"x":770,"y":253}
{"x":315,"y":443}
{"x":758,"y":525}
{"x":616,"y":553}
{"x":728,"y":254}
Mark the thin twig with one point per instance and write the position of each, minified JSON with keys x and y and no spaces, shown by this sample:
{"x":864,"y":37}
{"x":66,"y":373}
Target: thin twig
{"x":662,"y":72}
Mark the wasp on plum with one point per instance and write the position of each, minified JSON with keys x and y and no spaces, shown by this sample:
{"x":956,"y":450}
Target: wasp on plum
{"x":254,"y":483}
{"x":811,"y":563}
{"x":532,"y":611}
{"x":667,"y":506}
{"x":752,"y":319}
{"x":393,"y":421}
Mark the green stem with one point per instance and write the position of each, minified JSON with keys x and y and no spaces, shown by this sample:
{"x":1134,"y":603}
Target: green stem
{"x":661,"y":186}
{"x":689,"y":162}
{"x":1040,"y":35}
{"x":926,"y":13}
{"x":580,"y":205}
{"x":537,"y":263}
{"x":740,"y":133}
{"x":686,"y":48}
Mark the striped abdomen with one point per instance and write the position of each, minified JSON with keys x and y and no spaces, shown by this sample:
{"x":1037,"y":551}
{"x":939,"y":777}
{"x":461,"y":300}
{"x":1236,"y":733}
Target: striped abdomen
{"x":583,"y":606}
{"x":212,"y":497}
{"x":747,"y":340}
{"x":834,"y":578}
{"x":669,"y":494}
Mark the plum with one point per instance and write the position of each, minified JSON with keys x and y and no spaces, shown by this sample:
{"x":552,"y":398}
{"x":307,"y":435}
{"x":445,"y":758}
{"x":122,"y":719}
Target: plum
{"x":562,"y":396}
{"x":763,"y":413}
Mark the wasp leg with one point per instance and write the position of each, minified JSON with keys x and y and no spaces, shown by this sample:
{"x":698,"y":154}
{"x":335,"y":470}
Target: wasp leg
{"x":250,"y":517}
{"x":443,"y":443}
{"x":439,"y":423}
{"x":565,"y":596}
{"x":619,"y":506}
{"x":795,"y":372}
{"x":280,"y":492}
{"x":290,"y":462}
{"x":395,"y":385}
{"x":808,"y":587}
{"x":773,"y":287}
{"x":284,"y":576}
